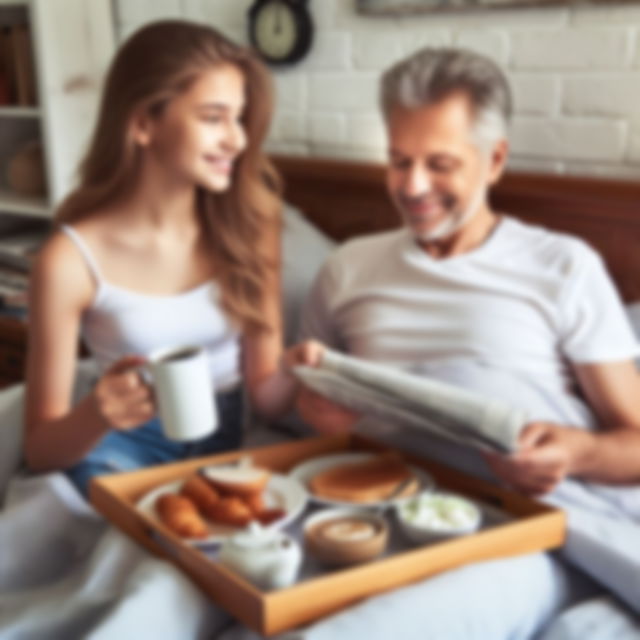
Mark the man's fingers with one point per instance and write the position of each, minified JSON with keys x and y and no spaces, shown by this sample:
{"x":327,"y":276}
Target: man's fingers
{"x":532,"y":435}
{"x":307,"y":353}
{"x":320,"y":404}
{"x":312,"y":353}
{"x":313,"y":398}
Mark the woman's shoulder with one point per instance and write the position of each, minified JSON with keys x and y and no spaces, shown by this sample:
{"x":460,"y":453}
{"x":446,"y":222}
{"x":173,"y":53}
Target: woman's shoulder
{"x":58,"y":253}
{"x":60,"y":267}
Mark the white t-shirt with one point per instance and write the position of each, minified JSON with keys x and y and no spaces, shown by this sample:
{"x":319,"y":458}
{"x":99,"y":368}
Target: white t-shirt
{"x":506,"y":319}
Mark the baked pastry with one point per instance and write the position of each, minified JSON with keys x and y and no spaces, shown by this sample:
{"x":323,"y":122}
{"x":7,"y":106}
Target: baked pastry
{"x":201,"y":493}
{"x":240,"y":481}
{"x":255,"y":502}
{"x":367,"y":481}
{"x":181,"y":516}
{"x":231,"y":510}
{"x":267,"y":516}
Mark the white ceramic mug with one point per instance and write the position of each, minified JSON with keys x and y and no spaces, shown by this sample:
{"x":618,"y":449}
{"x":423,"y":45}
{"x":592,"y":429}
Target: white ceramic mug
{"x":184,"y":391}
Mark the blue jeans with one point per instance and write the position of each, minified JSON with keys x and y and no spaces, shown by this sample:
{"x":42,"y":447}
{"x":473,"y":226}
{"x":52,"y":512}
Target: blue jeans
{"x":146,"y":445}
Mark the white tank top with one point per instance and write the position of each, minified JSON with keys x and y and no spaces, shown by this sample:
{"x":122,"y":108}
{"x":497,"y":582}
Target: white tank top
{"x":120,"y":322}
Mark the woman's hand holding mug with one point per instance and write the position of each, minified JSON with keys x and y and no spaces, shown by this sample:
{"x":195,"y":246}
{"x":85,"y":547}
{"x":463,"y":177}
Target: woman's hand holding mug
{"x":123,"y":399}
{"x":179,"y":387}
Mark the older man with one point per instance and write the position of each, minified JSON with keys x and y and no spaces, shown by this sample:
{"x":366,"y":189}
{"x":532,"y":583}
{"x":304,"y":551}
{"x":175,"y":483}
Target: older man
{"x":470,"y":296}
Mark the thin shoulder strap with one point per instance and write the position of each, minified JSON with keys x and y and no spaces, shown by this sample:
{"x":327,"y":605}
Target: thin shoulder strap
{"x":84,"y":250}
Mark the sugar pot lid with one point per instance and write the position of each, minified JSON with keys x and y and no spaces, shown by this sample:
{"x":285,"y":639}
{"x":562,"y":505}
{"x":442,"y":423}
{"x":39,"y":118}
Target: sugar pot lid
{"x":255,"y":537}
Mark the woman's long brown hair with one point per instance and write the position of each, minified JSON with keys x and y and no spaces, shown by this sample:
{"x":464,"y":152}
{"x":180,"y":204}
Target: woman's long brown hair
{"x":157,"y":63}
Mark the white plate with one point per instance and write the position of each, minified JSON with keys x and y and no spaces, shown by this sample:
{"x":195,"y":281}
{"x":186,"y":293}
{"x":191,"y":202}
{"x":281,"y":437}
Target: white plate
{"x":307,"y":470}
{"x":282,"y":492}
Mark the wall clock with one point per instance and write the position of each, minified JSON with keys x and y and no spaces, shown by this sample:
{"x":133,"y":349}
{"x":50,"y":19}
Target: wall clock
{"x":281,"y":30}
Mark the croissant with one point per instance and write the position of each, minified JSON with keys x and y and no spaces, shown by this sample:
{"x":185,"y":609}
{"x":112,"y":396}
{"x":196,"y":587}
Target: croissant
{"x":205,"y":497}
{"x":267,"y":516}
{"x":231,"y":510}
{"x":181,"y":516}
{"x":255,"y":502}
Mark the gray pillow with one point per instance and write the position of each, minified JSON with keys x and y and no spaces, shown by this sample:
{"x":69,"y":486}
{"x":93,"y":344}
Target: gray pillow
{"x":633,"y":311}
{"x":304,"y":250}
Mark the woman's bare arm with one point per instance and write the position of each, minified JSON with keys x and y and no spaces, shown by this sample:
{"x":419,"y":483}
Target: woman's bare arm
{"x":60,"y":289}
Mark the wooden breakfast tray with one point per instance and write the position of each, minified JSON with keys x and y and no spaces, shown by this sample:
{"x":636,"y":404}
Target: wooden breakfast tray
{"x":529,"y":526}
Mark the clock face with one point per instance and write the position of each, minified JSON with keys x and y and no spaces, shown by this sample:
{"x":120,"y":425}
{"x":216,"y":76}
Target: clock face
{"x":276,"y":30}
{"x":281,"y":30}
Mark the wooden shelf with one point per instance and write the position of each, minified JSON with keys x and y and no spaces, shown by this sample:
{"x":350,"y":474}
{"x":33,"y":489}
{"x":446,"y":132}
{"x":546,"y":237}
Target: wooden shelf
{"x":22,"y":205}
{"x":7,"y":111}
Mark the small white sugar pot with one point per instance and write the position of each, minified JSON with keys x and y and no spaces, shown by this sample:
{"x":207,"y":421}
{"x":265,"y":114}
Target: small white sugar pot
{"x":269,"y":559}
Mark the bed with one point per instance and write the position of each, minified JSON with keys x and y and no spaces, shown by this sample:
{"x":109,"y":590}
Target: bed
{"x":77,"y":577}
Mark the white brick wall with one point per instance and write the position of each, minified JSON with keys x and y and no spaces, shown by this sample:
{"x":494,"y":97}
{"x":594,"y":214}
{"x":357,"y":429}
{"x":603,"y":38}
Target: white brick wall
{"x":573,"y":49}
{"x":575,"y":74}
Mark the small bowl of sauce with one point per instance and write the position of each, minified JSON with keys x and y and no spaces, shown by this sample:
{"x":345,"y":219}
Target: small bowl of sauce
{"x":345,"y":536}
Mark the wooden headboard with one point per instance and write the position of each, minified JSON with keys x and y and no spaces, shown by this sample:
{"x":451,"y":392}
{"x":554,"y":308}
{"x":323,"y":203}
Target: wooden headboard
{"x":348,"y":198}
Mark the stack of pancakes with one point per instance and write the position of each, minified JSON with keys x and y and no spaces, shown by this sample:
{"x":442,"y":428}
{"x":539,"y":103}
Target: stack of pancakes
{"x":371,"y":480}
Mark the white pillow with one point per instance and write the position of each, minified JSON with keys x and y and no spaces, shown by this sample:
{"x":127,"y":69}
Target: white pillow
{"x":304,"y":250}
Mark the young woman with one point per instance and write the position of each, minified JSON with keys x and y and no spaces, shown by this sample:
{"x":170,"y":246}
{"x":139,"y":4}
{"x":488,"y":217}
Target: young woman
{"x":171,"y":237}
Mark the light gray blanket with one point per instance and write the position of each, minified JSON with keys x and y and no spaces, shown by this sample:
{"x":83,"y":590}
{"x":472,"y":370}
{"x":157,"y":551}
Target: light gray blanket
{"x":66,"y":574}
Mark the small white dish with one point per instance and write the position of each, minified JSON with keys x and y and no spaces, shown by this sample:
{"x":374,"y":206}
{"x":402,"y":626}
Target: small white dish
{"x":433,"y":516}
{"x":305,"y":471}
{"x":268,"y":559}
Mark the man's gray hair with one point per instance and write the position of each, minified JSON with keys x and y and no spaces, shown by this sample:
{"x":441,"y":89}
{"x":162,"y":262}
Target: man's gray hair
{"x":430,"y":74}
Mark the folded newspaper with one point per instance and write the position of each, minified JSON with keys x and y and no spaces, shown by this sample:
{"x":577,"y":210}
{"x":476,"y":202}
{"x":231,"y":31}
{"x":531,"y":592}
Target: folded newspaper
{"x":414,"y":401}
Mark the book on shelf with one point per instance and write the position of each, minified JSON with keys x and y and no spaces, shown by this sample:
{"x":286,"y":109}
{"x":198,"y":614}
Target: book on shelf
{"x":7,"y":81}
{"x":17,"y":71}
{"x":18,"y":249}
{"x":13,"y":292}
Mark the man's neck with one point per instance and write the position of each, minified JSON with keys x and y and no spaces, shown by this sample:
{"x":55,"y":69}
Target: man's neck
{"x":472,"y":235}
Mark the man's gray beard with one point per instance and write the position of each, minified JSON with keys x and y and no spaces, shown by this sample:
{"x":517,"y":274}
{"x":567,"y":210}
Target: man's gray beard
{"x":453,"y":223}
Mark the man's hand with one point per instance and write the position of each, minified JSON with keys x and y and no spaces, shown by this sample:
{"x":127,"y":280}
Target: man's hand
{"x":308,"y":353}
{"x":323,"y":414}
{"x":547,"y":454}
{"x":313,"y":408}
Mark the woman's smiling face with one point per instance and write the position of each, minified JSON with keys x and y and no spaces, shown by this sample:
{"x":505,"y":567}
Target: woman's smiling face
{"x":200,"y":133}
